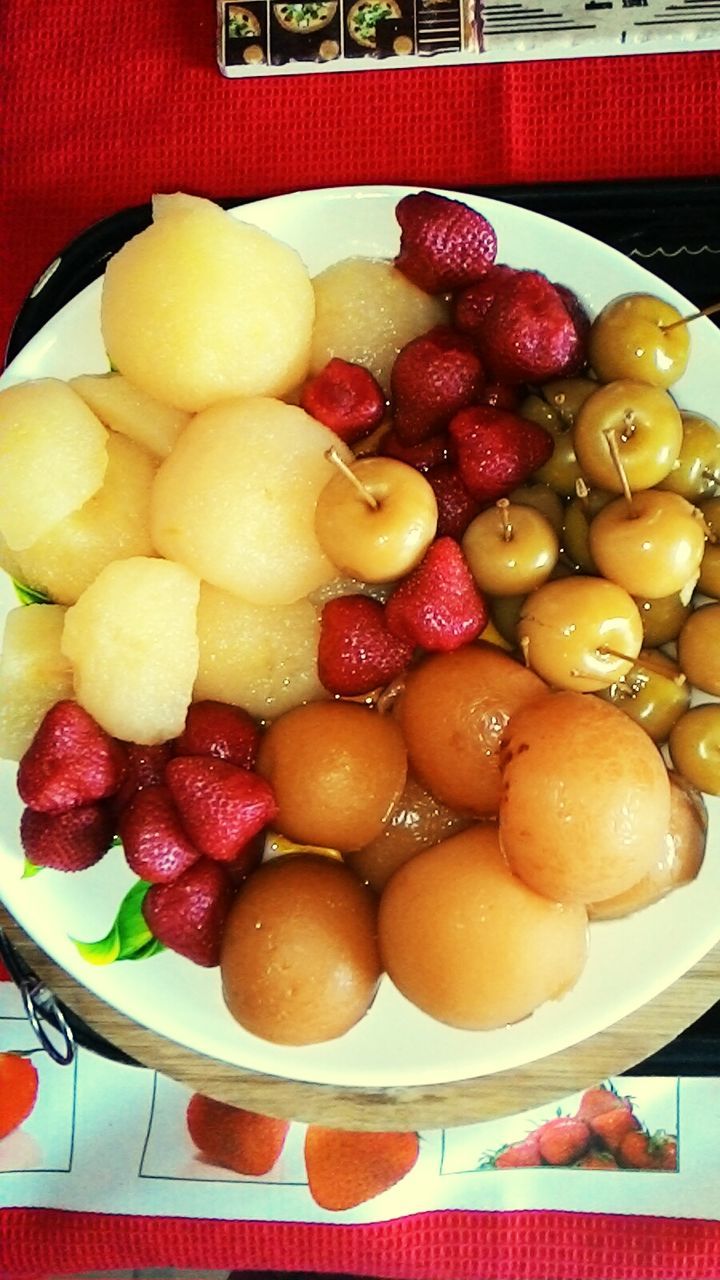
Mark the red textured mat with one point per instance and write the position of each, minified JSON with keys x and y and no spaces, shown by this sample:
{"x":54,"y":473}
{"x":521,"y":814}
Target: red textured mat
{"x":431,"y":1246}
{"x":100,"y":111}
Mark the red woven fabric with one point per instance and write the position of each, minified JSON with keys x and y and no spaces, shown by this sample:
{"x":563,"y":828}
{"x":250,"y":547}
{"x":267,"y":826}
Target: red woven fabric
{"x":104,"y":105}
{"x":100,"y":110}
{"x":430,"y":1246}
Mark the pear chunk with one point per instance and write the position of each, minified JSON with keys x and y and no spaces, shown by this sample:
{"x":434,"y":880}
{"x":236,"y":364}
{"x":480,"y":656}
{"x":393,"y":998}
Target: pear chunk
{"x":112,"y":525}
{"x":132,"y":641}
{"x":260,"y":657}
{"x":53,"y":457}
{"x":34,"y":674}
{"x":236,"y":499}
{"x":366,"y":311}
{"x":200,"y":307}
{"x":127,"y":409}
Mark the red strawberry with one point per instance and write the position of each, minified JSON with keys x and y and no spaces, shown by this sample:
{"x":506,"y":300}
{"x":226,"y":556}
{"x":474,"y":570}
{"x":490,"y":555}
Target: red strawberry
{"x":70,"y":761}
{"x":611,"y":1126}
{"x":69,"y":841}
{"x":497,"y":451}
{"x":438,"y":605}
{"x":578,"y":314}
{"x":563,"y":1140}
{"x":189,"y":914}
{"x":345,"y":397}
{"x":433,"y":377}
{"x":597,"y":1100}
{"x":221,"y":806}
{"x":456,"y":505}
{"x":471,"y":304}
{"x":519,"y":1155}
{"x":527,"y":333}
{"x":156,"y":846}
{"x":217,"y":729}
{"x":233,"y":1138}
{"x":444,"y":244}
{"x":422,"y":456}
{"x":356,"y":652}
{"x":145,"y":768}
{"x":641,"y":1150}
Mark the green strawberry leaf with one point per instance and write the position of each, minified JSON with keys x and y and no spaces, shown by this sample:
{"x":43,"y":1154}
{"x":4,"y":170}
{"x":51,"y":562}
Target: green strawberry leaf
{"x":29,"y":870}
{"x":128,"y":938}
{"x":28,"y":595}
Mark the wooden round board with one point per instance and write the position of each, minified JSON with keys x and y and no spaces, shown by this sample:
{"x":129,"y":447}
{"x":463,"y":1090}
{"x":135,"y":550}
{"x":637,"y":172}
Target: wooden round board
{"x":462,"y":1102}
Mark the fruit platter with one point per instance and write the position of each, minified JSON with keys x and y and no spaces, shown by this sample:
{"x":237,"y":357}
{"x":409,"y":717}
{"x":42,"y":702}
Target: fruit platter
{"x":358,"y":688}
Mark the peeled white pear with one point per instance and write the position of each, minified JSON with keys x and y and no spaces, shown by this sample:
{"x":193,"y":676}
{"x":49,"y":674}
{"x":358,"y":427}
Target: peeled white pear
{"x":201,"y":306}
{"x":236,"y":499}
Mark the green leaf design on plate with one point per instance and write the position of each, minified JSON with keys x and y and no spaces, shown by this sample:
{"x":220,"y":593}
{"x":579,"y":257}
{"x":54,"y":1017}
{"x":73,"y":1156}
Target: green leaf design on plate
{"x":128,"y":937}
{"x":28,"y":595}
{"x":30,"y":870}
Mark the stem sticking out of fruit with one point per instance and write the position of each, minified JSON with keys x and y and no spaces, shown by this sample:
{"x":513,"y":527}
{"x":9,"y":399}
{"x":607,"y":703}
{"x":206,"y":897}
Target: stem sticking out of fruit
{"x":614,"y":448}
{"x":706,"y":311}
{"x":333,"y":456}
{"x":525,"y":650}
{"x":582,"y":491}
{"x":502,"y":505}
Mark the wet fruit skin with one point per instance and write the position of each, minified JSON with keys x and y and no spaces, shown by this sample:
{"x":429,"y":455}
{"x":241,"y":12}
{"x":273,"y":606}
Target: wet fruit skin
{"x":572,"y":630}
{"x":336,"y":769}
{"x":662,"y":618}
{"x":628,"y":340}
{"x":453,"y":712}
{"x":578,"y":518}
{"x":698,"y":648}
{"x":585,"y":803}
{"x":416,"y":821}
{"x":647,"y":428}
{"x":695,"y":747}
{"x":299,"y":960}
{"x":679,"y":862}
{"x":652,"y":546}
{"x":555,"y":409}
{"x":696,"y":473}
{"x":654,"y":694}
{"x":469,"y":943}
{"x":510,"y":549}
{"x":709,"y":580}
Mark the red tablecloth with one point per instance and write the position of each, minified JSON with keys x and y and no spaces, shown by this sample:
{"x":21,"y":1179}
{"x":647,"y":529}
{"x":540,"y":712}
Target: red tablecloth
{"x":104,"y":104}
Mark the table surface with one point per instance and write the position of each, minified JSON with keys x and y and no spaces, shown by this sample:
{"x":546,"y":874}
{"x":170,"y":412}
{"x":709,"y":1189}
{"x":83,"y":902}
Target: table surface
{"x":609,"y":1053}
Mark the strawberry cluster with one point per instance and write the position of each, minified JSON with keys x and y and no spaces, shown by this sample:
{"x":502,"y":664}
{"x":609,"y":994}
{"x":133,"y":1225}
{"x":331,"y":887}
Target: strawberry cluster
{"x":604,"y":1133}
{"x":190,"y":813}
{"x":454,"y":396}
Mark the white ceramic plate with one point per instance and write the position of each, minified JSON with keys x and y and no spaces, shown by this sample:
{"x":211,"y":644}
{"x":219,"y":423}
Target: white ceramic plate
{"x":630,"y":960}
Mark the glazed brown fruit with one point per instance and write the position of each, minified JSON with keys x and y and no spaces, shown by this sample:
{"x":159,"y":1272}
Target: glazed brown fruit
{"x":698,"y":648}
{"x":417,"y":820}
{"x":453,"y":713}
{"x":646,"y":426}
{"x":580,"y":632}
{"x":679,"y":862}
{"x":299,"y":959}
{"x":585,"y":798}
{"x":467,"y":942}
{"x":337,"y":769}
{"x":555,"y":408}
{"x":709,"y":580}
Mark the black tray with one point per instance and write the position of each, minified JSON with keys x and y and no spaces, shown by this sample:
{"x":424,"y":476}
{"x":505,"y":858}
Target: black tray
{"x":671,"y":227}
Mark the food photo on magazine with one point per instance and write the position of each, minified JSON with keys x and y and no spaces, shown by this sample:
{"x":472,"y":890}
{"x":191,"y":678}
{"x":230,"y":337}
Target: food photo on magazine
{"x":358,"y":712}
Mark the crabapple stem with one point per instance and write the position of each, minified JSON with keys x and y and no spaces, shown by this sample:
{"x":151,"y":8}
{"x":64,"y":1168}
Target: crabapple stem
{"x":581,"y":490}
{"x":525,"y":650}
{"x":614,"y":448}
{"x":606,"y":651}
{"x":389,"y":694}
{"x":502,"y":505}
{"x":706,"y":311}
{"x":333,"y":456}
